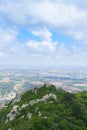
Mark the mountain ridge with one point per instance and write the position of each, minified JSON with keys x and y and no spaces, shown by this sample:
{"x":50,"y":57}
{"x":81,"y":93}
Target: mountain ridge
{"x":46,"y":108}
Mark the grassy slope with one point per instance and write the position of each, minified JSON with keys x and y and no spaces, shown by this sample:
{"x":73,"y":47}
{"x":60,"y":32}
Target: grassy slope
{"x":68,"y":112}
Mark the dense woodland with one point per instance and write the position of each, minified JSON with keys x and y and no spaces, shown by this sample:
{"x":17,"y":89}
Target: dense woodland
{"x":46,"y":108}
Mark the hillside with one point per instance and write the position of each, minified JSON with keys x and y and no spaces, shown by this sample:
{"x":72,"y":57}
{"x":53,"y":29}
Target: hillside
{"x":46,"y":108}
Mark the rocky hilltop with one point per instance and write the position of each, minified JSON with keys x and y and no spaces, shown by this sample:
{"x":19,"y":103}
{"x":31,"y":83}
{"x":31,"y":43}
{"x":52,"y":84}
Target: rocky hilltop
{"x":46,"y":108}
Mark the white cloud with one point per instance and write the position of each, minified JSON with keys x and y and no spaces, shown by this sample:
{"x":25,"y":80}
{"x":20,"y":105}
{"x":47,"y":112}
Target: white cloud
{"x":7,"y":37}
{"x":43,"y":33}
{"x":62,"y":15}
{"x":44,"y":45}
{"x":2,"y":54}
{"x":65,"y":16}
{"x":54,"y":13}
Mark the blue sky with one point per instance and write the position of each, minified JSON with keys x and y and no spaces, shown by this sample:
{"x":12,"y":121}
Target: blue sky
{"x":43,"y":33}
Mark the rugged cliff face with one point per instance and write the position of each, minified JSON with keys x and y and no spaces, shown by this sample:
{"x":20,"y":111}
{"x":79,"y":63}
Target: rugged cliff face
{"x":46,"y":108}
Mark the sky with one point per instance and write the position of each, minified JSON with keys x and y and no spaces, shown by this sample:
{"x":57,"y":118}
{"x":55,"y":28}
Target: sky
{"x":43,"y":33}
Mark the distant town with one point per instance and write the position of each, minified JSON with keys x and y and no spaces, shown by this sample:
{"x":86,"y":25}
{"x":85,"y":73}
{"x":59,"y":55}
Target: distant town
{"x":13,"y":82}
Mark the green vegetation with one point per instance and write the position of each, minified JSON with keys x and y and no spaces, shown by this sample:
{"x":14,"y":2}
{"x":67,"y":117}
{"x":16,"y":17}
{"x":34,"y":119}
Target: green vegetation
{"x":46,"y":108}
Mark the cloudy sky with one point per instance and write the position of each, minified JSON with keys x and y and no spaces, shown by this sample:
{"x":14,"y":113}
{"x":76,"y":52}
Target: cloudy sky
{"x":43,"y":33}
